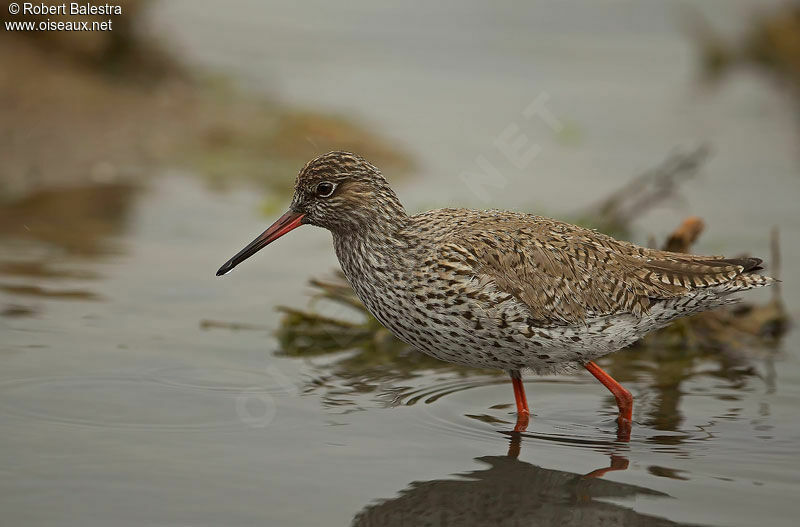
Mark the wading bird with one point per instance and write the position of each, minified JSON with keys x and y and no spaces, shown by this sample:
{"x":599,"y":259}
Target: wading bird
{"x":496,"y":289}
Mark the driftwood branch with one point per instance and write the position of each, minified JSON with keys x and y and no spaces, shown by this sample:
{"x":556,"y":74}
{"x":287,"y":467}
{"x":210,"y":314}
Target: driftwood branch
{"x":682,"y":239}
{"x":616,"y":212}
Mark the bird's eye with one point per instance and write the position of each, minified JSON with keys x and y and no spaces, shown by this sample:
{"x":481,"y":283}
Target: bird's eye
{"x":325,"y":189}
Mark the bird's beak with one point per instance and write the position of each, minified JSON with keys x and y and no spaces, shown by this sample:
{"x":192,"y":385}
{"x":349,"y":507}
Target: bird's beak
{"x":287,"y":222}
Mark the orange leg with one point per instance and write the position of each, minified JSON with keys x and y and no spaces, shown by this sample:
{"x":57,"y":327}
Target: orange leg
{"x":523,"y":413}
{"x":623,"y":396}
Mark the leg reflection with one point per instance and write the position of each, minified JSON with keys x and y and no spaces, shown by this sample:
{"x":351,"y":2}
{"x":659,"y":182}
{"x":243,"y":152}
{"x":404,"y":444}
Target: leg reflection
{"x":617,"y":463}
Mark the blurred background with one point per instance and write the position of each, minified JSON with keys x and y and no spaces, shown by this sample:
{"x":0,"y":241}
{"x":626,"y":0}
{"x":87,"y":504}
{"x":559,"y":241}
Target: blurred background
{"x":137,"y":388}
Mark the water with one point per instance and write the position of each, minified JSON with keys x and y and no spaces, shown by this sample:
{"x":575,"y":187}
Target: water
{"x":119,"y":406}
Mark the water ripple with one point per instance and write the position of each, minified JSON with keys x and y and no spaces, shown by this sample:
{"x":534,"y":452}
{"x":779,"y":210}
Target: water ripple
{"x":130,"y":402}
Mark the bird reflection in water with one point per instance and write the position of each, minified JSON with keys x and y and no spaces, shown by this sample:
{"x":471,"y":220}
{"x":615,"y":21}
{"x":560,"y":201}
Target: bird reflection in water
{"x":511,"y":492}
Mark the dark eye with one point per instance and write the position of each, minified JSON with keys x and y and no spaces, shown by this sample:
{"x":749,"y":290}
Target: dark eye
{"x":325,"y":189}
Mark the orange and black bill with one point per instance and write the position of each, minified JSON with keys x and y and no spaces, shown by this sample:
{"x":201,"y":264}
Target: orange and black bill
{"x":287,"y":222}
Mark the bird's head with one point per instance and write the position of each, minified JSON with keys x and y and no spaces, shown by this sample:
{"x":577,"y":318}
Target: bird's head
{"x":338,"y":191}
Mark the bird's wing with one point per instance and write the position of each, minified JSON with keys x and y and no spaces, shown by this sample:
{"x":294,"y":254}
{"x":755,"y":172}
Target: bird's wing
{"x":564,"y":273}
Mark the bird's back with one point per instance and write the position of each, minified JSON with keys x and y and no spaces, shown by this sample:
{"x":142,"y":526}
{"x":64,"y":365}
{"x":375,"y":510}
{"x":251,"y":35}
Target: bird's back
{"x":564,"y":273}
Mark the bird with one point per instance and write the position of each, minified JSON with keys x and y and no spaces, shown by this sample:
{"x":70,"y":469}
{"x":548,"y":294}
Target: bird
{"x":499,"y":289}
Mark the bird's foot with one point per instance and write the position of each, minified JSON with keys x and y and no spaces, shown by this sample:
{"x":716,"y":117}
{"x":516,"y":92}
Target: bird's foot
{"x":523,"y":418}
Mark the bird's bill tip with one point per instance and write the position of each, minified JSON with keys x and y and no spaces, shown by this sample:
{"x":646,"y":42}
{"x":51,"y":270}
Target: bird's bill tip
{"x":225,"y":269}
{"x":289,"y":221}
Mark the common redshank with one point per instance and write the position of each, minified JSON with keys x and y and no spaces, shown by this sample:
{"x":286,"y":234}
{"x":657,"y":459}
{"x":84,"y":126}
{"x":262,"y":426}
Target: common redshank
{"x":496,"y":289}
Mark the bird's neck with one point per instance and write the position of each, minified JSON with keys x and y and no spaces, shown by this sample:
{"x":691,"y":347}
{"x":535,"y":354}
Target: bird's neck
{"x":374,"y":247}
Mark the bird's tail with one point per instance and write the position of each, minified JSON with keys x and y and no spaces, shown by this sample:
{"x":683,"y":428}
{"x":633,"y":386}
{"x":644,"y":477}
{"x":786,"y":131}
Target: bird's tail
{"x":747,"y":279}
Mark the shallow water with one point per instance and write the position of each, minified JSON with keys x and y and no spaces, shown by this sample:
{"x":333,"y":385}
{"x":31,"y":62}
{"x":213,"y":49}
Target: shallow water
{"x":123,"y":402}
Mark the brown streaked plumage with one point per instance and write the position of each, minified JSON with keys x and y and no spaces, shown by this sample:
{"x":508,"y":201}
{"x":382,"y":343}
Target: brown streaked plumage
{"x":500,"y":289}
